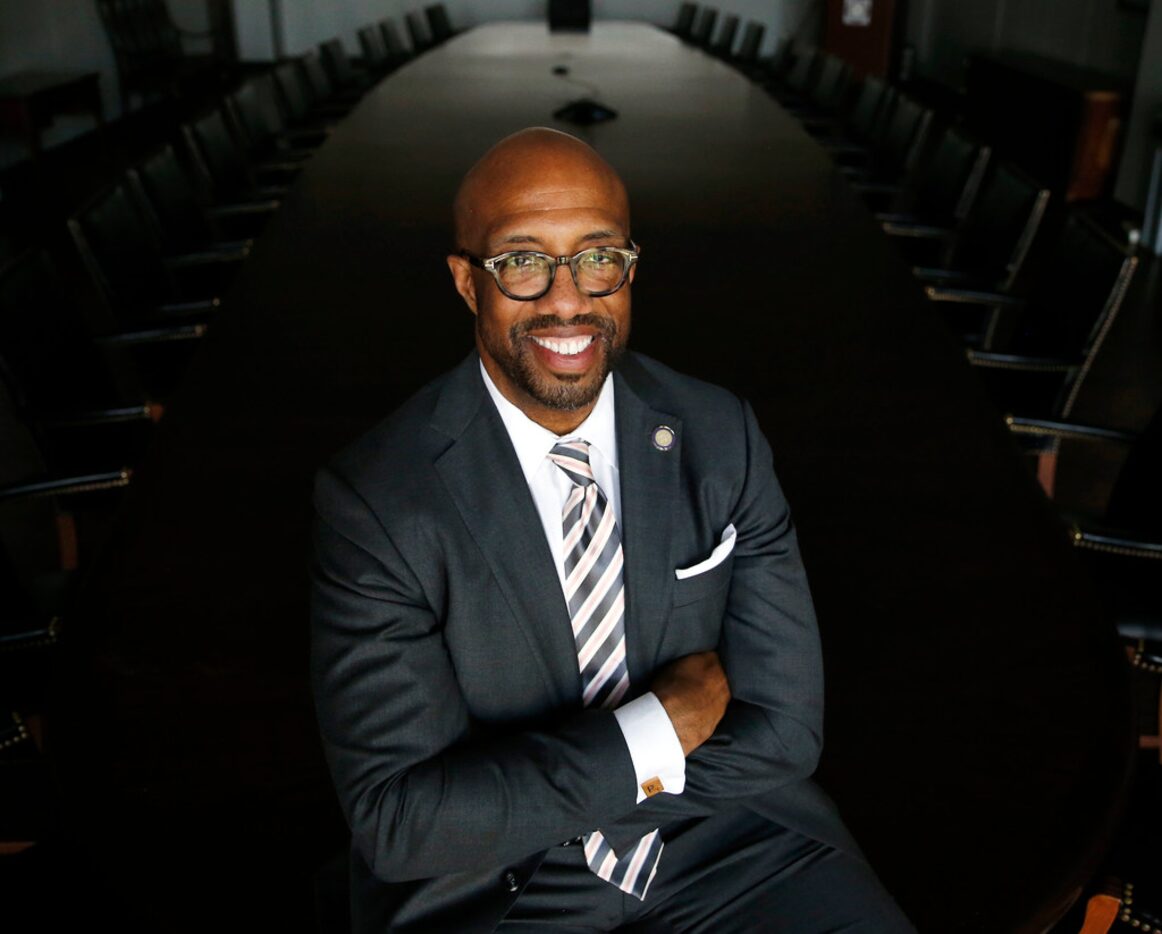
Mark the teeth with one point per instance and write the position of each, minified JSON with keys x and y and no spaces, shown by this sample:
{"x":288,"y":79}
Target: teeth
{"x":567,"y":347}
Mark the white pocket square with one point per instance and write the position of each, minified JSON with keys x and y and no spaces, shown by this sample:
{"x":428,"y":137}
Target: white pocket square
{"x":724,"y":547}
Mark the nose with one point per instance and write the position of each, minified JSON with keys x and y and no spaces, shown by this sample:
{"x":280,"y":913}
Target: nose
{"x":564,"y":298}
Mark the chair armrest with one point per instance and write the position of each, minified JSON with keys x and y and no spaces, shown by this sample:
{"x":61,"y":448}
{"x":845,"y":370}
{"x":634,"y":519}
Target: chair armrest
{"x":937,"y":276}
{"x":207,"y":258}
{"x":67,"y":486}
{"x":1067,"y":431}
{"x":30,"y":635}
{"x":149,"y":412}
{"x":190,"y":308}
{"x":279,"y":167}
{"x":244,"y":209}
{"x":916,"y":231}
{"x":938,"y":293}
{"x":1115,"y":543}
{"x":183,"y":332}
{"x":1008,"y":361}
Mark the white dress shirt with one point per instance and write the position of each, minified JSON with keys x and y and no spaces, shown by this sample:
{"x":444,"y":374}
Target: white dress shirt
{"x":653,"y":745}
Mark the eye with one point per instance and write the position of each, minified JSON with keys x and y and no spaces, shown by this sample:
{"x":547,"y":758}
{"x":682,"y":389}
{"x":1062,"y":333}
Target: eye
{"x":522,"y":262}
{"x":597,"y":258}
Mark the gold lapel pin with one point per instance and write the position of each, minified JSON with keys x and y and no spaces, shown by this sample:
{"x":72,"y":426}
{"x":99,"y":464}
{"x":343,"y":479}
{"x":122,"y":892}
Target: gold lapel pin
{"x":663,"y":437}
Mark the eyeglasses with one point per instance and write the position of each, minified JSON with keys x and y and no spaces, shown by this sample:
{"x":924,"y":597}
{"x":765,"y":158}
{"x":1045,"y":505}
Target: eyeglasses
{"x":524,"y":275}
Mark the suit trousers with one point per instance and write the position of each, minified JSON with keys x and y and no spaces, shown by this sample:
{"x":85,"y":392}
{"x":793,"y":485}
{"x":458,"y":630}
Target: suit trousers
{"x":731,"y":873}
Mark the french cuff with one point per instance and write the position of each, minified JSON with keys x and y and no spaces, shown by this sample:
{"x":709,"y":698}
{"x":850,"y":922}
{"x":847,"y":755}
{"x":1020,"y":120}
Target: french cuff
{"x":654,"y":747}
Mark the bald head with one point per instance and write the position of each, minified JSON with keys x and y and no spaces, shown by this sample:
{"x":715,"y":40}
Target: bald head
{"x":537,"y":171}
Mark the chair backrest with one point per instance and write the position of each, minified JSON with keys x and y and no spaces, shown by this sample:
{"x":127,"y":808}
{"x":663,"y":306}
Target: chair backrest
{"x":338,"y":65}
{"x":752,"y":41}
{"x":704,"y":28}
{"x":392,"y":41}
{"x":120,"y":250}
{"x":724,"y":44}
{"x":317,"y":80}
{"x":438,"y":22}
{"x":831,"y":86}
{"x":217,"y":156}
{"x":903,"y":138}
{"x":944,"y":186}
{"x":254,"y":108}
{"x":1075,"y":300}
{"x":296,"y":97}
{"x":418,"y":30}
{"x":173,"y":196}
{"x":47,"y":354}
{"x":872,"y":100}
{"x":801,"y":77}
{"x":375,"y":54}
{"x":782,"y":60}
{"x":994,"y":240}
{"x":685,"y":21}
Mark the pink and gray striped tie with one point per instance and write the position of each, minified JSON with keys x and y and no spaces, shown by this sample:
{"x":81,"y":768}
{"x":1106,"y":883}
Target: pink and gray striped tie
{"x":596,"y":599}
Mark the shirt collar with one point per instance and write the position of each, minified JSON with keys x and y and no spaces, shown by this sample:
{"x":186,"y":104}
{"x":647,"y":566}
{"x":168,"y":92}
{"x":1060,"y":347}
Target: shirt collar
{"x":533,"y":442}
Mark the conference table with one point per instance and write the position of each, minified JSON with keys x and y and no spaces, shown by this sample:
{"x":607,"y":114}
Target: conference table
{"x":977,"y":728}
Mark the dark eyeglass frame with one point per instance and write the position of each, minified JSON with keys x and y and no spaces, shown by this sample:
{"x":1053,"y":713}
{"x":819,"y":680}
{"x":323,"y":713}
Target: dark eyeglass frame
{"x":629,"y":256}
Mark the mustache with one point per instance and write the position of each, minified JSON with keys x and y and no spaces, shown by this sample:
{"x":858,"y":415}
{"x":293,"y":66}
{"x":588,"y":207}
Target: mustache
{"x":605,"y":326}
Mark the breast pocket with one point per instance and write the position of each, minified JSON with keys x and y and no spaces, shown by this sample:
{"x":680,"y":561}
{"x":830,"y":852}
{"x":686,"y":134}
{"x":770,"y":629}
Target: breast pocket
{"x":705,"y":585}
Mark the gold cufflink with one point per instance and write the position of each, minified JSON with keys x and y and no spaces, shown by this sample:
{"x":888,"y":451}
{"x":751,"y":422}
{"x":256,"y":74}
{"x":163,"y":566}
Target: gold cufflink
{"x":652,"y":786}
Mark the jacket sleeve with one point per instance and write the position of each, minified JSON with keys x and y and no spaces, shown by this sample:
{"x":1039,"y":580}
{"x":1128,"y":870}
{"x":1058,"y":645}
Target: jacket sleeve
{"x":422,"y":794}
{"x":772,"y":732}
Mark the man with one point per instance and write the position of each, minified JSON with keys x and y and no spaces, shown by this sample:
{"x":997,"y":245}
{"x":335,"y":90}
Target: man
{"x":565,"y":659}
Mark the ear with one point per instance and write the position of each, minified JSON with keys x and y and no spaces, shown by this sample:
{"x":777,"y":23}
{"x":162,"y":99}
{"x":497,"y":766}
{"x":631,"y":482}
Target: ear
{"x":632,"y":273}
{"x":465,"y":282}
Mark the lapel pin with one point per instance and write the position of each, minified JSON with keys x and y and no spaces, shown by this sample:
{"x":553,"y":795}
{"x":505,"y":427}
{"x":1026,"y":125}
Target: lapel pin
{"x":663,"y":437}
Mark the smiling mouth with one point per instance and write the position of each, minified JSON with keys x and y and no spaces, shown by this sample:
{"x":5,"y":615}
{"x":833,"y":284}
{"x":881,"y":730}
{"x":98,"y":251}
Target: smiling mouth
{"x":565,"y":347}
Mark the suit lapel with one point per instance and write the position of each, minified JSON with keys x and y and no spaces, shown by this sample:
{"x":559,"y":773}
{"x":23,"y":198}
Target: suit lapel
{"x":649,"y":492}
{"x":484,"y":478}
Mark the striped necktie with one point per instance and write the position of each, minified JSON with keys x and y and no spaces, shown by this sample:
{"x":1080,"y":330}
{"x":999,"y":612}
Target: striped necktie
{"x":596,"y":599}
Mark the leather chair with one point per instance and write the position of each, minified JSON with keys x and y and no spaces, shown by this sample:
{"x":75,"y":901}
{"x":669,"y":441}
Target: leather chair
{"x":140,"y":285}
{"x":418,"y":31}
{"x":827,"y":94}
{"x":852,"y":133}
{"x":723,"y":45}
{"x":1121,"y":547}
{"x":299,"y":100}
{"x":397,"y":49}
{"x":223,"y":167}
{"x":88,"y":396}
{"x":376,"y":58}
{"x":747,"y":56}
{"x":323,"y":91}
{"x":987,"y":250}
{"x":188,"y":220}
{"x":344,"y":76}
{"x":800,"y":78}
{"x":899,"y":147}
{"x":684,"y":23}
{"x":1037,"y":348}
{"x":704,"y":27}
{"x":940,"y":190}
{"x":261,"y":127}
{"x":439,"y":25}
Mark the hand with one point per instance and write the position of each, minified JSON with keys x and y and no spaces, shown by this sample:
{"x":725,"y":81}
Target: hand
{"x":694,"y":692}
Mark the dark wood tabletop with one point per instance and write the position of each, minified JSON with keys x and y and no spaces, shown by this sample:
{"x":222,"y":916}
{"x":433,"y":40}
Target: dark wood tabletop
{"x":977,"y":733}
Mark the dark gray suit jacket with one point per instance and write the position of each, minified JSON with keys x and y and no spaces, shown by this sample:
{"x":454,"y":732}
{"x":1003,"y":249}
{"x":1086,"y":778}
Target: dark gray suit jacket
{"x":443,"y":663}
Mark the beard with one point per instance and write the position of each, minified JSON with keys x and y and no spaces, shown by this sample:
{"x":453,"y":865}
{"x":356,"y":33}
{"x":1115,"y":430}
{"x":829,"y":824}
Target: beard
{"x":565,"y":393}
